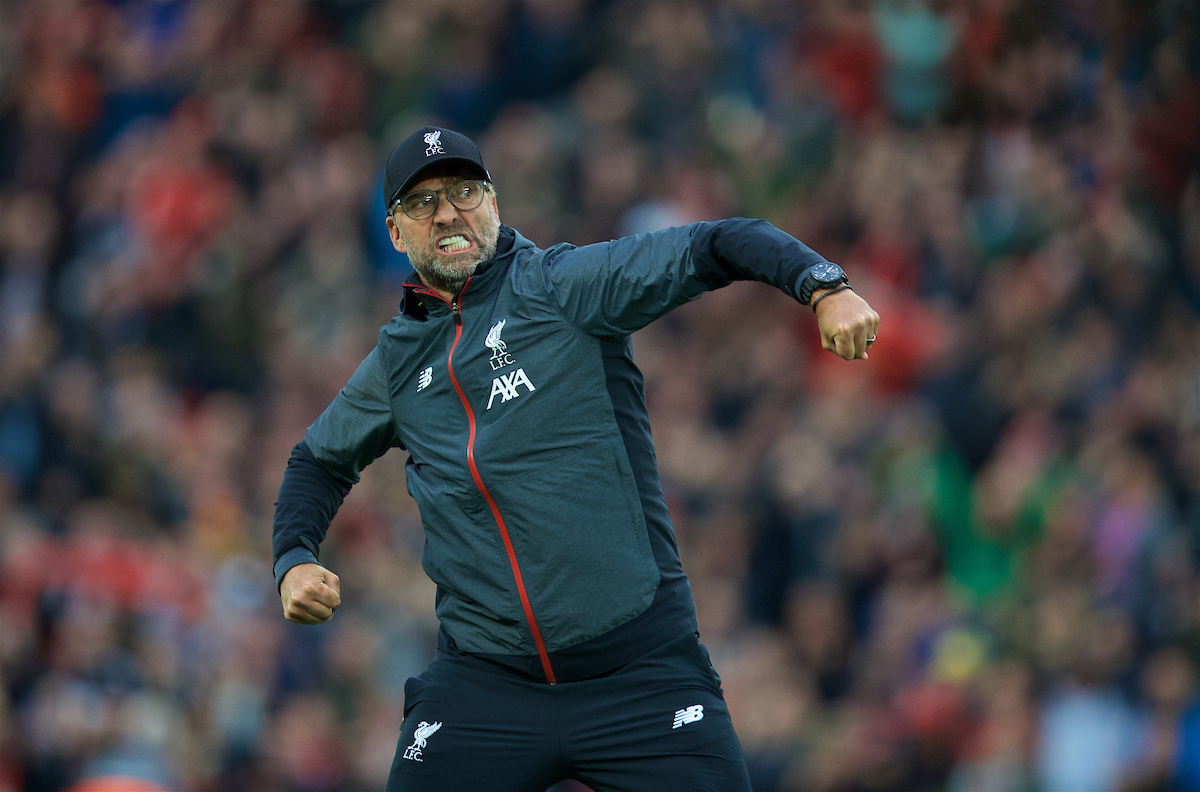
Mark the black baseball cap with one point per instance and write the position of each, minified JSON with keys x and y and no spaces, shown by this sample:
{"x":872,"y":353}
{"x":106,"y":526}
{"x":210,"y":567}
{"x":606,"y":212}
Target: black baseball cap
{"x":427,"y":146}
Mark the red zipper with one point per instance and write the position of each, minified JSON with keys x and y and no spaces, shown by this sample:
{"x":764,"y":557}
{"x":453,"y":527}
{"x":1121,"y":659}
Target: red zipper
{"x":508,"y":545}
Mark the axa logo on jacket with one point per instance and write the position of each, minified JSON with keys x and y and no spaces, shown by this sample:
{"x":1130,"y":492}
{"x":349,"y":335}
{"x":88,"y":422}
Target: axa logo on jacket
{"x":506,"y":385}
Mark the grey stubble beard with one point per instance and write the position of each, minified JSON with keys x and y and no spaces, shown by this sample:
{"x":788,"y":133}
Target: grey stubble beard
{"x":450,"y":273}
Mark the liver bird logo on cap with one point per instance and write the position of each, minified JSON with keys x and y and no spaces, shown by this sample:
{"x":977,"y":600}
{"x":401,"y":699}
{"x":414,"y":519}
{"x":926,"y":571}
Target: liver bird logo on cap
{"x":433,"y":143}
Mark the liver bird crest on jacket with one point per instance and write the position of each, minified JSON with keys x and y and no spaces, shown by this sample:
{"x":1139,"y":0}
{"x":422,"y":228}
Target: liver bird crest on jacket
{"x":493,"y":341}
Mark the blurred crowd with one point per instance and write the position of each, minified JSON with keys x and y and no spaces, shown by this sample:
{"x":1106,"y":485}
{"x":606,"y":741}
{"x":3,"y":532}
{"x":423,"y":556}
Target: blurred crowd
{"x":970,"y":563}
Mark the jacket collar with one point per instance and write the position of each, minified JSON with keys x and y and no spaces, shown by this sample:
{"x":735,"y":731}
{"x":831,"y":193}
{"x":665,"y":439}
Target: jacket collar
{"x":486,"y":274}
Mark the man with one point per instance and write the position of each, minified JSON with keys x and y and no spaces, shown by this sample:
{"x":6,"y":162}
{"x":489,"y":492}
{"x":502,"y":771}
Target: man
{"x":568,"y":645}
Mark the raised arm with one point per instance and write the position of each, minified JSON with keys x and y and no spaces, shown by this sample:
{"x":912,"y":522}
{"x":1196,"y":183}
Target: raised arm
{"x":614,"y":288}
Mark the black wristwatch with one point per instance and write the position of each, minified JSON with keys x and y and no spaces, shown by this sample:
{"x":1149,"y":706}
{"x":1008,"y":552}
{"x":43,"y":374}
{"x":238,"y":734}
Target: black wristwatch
{"x":820,"y":276}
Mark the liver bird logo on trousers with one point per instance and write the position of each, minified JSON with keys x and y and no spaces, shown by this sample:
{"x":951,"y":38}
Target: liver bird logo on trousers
{"x":424,"y":730}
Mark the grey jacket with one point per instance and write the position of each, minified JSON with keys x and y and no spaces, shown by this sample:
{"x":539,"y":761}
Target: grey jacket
{"x":529,"y":447}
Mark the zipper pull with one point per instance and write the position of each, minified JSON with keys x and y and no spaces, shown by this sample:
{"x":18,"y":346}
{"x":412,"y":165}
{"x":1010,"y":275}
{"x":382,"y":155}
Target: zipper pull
{"x":454,"y":302}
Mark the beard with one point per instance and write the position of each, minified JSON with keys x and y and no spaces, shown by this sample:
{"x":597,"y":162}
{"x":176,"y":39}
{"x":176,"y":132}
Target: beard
{"x":450,"y":273}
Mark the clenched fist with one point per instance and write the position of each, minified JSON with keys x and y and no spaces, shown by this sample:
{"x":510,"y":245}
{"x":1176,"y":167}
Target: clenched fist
{"x":847,"y":324}
{"x":310,"y":594}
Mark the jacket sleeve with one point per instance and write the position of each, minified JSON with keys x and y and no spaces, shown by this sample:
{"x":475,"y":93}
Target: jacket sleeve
{"x":355,"y":429}
{"x":614,"y":288}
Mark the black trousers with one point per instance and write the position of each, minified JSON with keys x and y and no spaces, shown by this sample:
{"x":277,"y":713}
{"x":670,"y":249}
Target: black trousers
{"x":656,"y":725}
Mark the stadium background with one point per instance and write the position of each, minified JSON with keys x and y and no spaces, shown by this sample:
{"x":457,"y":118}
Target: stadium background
{"x":971,"y":563}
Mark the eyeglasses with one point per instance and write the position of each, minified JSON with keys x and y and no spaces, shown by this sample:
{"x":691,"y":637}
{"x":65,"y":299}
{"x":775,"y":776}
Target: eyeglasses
{"x":423,"y":204}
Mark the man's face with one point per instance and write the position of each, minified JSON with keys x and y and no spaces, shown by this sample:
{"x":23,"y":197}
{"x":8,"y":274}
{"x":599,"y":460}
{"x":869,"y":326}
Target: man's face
{"x":435,"y":245}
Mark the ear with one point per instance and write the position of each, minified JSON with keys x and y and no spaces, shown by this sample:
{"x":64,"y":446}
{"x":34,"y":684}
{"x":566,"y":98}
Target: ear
{"x":495,"y":209}
{"x":394,"y":233}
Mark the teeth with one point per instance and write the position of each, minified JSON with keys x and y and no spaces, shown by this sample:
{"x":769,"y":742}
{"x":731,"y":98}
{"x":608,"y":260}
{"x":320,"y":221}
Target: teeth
{"x":457,"y":242}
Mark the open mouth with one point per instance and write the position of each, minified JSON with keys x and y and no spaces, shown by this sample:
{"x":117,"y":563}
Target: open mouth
{"x":455,"y":243}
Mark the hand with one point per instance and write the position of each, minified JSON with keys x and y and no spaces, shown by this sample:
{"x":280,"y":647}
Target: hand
{"x":310,"y":594}
{"x":847,"y":324}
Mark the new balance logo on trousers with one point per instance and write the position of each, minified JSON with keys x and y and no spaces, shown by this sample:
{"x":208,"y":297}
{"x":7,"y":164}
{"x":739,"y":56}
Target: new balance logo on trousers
{"x":689,"y":715}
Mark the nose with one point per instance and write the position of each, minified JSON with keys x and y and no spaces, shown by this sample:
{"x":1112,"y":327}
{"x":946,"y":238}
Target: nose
{"x":446,"y":212}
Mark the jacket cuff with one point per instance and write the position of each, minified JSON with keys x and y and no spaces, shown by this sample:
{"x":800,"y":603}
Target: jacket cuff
{"x":294,"y":557}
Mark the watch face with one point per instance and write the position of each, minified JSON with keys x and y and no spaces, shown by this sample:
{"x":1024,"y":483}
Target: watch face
{"x":826,"y":273}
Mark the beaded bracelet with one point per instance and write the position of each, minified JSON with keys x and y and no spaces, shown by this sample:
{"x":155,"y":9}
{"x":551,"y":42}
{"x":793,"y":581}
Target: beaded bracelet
{"x":843,"y":287}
